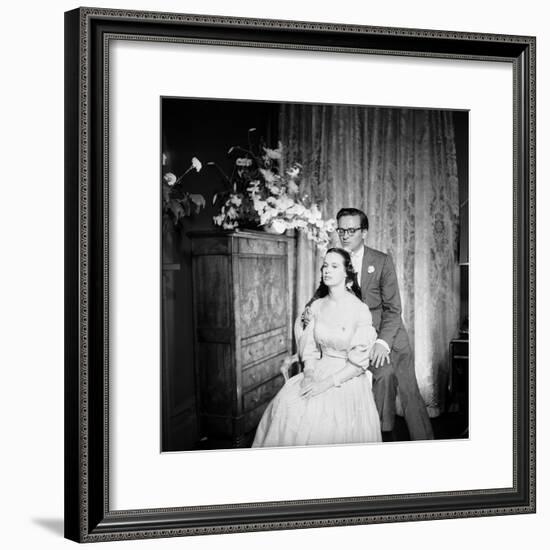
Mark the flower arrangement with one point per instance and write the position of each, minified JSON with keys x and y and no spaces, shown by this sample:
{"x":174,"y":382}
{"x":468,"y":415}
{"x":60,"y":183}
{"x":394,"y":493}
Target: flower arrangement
{"x":177,"y":203}
{"x":259,"y":195}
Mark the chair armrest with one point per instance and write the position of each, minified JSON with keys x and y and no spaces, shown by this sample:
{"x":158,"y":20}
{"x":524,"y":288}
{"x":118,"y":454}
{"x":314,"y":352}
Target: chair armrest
{"x":288,"y":361}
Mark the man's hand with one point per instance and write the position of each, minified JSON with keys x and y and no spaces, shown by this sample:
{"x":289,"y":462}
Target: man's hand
{"x":379,"y":355}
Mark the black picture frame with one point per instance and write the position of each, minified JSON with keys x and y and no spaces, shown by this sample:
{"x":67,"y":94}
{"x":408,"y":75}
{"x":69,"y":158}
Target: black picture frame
{"x":88,"y":517}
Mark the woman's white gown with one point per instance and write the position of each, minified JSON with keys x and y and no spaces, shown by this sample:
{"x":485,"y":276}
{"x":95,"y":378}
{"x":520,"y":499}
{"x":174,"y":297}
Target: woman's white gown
{"x":344,"y":414}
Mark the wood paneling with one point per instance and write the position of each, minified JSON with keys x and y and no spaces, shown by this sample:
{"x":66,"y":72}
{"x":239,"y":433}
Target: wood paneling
{"x":260,"y":372}
{"x":211,"y":245}
{"x":262,"y":247}
{"x":264,"y":345}
{"x":242,"y":327}
{"x":262,"y":394}
{"x":212,"y":281}
{"x":262,"y":288}
{"x":216,"y":377}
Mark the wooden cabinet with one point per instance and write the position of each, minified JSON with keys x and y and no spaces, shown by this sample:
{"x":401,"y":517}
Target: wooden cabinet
{"x":242,"y":315}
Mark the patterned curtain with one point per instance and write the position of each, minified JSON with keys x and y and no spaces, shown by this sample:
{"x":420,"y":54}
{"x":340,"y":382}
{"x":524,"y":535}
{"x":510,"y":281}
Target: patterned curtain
{"x":399,"y":166}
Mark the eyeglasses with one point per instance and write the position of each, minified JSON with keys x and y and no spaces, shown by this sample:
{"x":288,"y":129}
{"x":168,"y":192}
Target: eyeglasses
{"x":350,"y":231}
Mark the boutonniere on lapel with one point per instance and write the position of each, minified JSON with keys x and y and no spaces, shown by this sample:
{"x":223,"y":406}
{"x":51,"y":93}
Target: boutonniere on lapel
{"x":370,"y":269}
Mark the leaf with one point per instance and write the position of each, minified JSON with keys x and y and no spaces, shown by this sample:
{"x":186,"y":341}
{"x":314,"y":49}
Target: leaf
{"x":198,"y":200}
{"x":187,"y":207}
{"x":177,"y":210}
{"x":165,"y":193}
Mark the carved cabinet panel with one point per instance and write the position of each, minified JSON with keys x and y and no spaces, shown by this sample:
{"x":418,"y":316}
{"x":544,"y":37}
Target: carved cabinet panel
{"x":241,"y":298}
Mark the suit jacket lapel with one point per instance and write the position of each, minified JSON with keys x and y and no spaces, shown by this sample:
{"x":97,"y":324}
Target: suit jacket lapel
{"x":365,"y":275}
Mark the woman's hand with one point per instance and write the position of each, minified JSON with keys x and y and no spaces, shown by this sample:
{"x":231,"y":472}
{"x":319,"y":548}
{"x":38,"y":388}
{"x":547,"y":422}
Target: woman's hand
{"x":315,"y":387}
{"x":307,"y":380}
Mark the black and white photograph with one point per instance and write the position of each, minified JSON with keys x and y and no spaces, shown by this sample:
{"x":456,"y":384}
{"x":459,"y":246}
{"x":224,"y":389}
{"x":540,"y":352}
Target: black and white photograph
{"x":195,"y":194}
{"x":314,"y":274}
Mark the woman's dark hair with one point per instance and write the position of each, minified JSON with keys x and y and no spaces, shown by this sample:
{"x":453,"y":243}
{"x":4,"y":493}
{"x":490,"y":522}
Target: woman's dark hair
{"x":351,"y":277}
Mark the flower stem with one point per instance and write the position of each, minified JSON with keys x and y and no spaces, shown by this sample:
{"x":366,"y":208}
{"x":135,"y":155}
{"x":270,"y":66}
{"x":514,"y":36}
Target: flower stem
{"x":228,"y":181}
{"x":183,"y":175}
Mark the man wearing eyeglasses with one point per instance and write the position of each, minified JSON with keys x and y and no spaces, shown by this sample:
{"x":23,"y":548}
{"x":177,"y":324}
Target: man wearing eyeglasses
{"x":392,"y":361}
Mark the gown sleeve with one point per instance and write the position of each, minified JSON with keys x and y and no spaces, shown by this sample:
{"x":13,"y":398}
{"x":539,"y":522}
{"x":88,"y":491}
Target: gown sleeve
{"x":363,"y":339}
{"x":305,"y":339}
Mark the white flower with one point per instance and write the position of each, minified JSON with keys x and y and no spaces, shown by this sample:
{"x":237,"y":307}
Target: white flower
{"x":315,"y":213}
{"x":284,"y":202}
{"x":275,"y":154}
{"x":267,"y":216}
{"x":292,"y":188}
{"x":196,"y":163}
{"x":236,"y":200}
{"x":296,"y":210}
{"x":370,"y":269}
{"x":243,"y":162}
{"x":272,"y":188}
{"x":278,"y":225}
{"x":268,"y":175}
{"x":259,"y":205}
{"x":330,"y":225}
{"x":294,"y":171}
{"x":253,"y":187}
{"x":169,"y":178}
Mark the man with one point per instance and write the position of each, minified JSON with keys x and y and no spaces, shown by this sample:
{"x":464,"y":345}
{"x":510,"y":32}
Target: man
{"x":392,"y":362}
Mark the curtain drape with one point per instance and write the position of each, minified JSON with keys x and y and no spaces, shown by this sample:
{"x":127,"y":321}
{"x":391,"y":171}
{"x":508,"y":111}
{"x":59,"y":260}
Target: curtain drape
{"x":399,"y":166}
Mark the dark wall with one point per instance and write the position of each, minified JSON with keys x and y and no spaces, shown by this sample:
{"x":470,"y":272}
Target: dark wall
{"x":205,"y":129}
{"x":461,"y":121}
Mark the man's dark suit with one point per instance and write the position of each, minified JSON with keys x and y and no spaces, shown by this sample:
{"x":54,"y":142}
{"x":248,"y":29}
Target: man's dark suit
{"x":380,"y":292}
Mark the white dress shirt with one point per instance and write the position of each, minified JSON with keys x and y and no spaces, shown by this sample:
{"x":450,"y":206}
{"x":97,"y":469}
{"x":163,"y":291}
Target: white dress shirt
{"x":357,"y":262}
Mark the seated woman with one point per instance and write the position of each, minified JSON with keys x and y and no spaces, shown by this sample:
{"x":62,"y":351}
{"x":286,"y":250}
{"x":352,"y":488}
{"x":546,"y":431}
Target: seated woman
{"x":331,"y":401}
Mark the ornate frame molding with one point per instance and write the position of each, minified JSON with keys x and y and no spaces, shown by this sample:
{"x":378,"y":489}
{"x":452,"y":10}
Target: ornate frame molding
{"x":88,"y":32}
